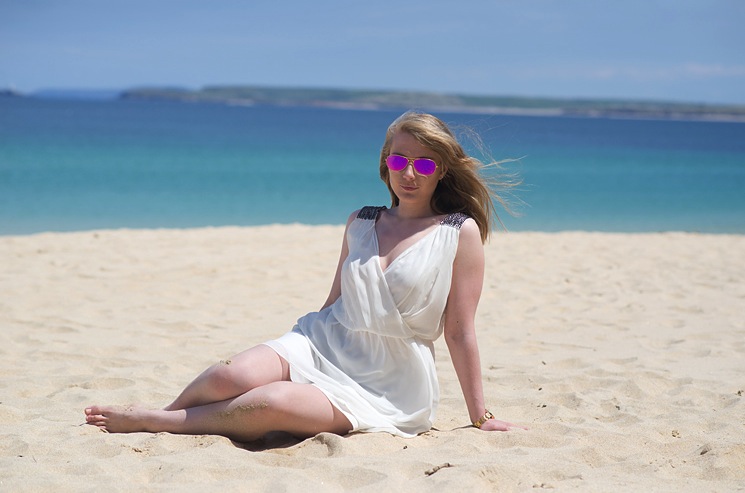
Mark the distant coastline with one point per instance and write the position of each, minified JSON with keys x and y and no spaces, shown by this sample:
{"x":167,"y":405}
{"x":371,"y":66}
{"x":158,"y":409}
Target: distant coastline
{"x":429,"y":101}
{"x":379,"y":100}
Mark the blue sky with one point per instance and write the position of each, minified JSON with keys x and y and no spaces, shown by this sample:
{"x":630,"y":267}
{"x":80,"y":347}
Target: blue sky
{"x":678,"y":50}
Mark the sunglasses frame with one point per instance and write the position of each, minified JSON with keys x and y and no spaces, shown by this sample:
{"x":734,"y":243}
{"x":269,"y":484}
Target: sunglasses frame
{"x":412,"y":161}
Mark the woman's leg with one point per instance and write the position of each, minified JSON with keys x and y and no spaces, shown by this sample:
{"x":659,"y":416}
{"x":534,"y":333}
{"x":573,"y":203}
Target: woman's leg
{"x":250,"y":369}
{"x":300,"y":409}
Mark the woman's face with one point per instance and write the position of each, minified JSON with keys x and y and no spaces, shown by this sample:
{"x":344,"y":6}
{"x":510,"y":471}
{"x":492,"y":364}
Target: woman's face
{"x":407,"y":184}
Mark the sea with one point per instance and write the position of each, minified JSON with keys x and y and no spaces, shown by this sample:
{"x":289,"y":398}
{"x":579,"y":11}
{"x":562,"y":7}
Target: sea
{"x":74,"y":164}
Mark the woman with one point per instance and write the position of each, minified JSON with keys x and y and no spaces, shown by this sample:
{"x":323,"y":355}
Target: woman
{"x":365,"y":361}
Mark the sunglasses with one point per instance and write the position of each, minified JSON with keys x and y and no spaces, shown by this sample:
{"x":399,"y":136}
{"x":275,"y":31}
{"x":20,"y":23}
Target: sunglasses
{"x":422,"y":166}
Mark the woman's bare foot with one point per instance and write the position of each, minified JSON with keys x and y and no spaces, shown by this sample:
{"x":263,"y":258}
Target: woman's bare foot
{"x":125,"y":419}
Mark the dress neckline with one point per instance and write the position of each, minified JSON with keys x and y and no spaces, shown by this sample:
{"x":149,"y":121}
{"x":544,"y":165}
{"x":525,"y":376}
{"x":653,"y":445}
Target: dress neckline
{"x":372,"y":213}
{"x":405,"y":251}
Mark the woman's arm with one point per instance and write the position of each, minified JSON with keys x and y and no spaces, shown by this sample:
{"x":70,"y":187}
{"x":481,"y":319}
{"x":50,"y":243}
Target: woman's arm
{"x":336,"y":284}
{"x":460,"y":327}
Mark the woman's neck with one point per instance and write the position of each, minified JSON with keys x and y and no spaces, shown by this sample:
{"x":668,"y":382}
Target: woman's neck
{"x":410,"y":211}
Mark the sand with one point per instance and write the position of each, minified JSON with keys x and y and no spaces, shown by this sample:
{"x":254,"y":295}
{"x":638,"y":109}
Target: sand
{"x":623,"y":353}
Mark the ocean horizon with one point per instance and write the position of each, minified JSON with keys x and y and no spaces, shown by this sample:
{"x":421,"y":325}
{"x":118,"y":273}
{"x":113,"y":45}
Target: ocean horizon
{"x":72,"y":165}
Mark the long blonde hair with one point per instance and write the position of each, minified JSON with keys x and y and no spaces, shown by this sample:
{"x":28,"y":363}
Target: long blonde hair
{"x":463,"y":188}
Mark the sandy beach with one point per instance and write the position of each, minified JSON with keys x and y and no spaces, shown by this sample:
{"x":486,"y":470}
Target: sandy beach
{"x":624,"y":354}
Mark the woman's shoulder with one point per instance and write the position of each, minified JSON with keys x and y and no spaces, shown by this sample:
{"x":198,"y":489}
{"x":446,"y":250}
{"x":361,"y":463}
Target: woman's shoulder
{"x":455,"y":220}
{"x":369,"y":212}
{"x":470,"y":234}
{"x":467,"y":227}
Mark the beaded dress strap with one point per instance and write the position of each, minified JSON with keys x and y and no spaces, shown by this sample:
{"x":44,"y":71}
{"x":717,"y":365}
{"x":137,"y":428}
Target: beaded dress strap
{"x":370,"y":212}
{"x":455,"y":220}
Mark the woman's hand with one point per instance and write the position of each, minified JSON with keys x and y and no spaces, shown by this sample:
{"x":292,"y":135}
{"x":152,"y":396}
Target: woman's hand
{"x":499,"y":425}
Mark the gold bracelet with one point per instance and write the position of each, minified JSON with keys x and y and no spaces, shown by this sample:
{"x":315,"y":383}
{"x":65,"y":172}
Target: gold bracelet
{"x":483,"y":419}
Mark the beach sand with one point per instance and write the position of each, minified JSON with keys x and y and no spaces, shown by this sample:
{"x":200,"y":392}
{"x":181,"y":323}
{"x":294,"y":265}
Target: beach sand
{"x":623,"y":353}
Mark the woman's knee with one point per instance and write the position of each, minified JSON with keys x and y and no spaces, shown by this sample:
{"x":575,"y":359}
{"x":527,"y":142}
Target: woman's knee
{"x":248,"y":370}
{"x":224,"y":378}
{"x":276,"y":397}
{"x":261,"y":363}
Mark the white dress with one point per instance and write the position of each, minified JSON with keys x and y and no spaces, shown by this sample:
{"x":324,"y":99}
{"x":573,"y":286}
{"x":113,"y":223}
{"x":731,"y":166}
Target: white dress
{"x":371,"y":352}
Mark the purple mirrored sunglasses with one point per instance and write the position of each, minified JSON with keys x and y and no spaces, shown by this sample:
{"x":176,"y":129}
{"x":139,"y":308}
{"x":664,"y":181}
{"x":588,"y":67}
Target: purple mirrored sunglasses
{"x":422,"y":166}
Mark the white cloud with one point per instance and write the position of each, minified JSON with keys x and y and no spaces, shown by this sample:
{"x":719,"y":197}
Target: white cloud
{"x":713,"y":70}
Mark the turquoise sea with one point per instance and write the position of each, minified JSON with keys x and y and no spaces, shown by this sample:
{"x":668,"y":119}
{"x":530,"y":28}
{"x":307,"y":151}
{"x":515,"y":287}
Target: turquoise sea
{"x":76,"y":165}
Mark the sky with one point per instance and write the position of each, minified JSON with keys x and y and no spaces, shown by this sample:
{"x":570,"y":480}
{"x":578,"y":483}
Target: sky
{"x":668,"y":50}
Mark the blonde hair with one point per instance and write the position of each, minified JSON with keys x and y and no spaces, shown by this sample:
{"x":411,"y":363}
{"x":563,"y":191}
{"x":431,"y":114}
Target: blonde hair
{"x":463,"y":188}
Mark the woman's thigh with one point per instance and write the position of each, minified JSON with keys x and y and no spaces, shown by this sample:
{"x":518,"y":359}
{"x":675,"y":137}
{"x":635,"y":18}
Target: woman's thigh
{"x":297,"y":408}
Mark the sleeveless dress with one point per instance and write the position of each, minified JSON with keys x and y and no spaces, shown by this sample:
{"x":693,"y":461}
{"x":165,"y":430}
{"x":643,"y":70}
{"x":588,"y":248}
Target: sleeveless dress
{"x":371,"y":352}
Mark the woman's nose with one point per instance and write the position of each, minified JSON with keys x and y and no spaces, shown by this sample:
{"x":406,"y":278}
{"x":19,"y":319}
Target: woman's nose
{"x":408,"y":172}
